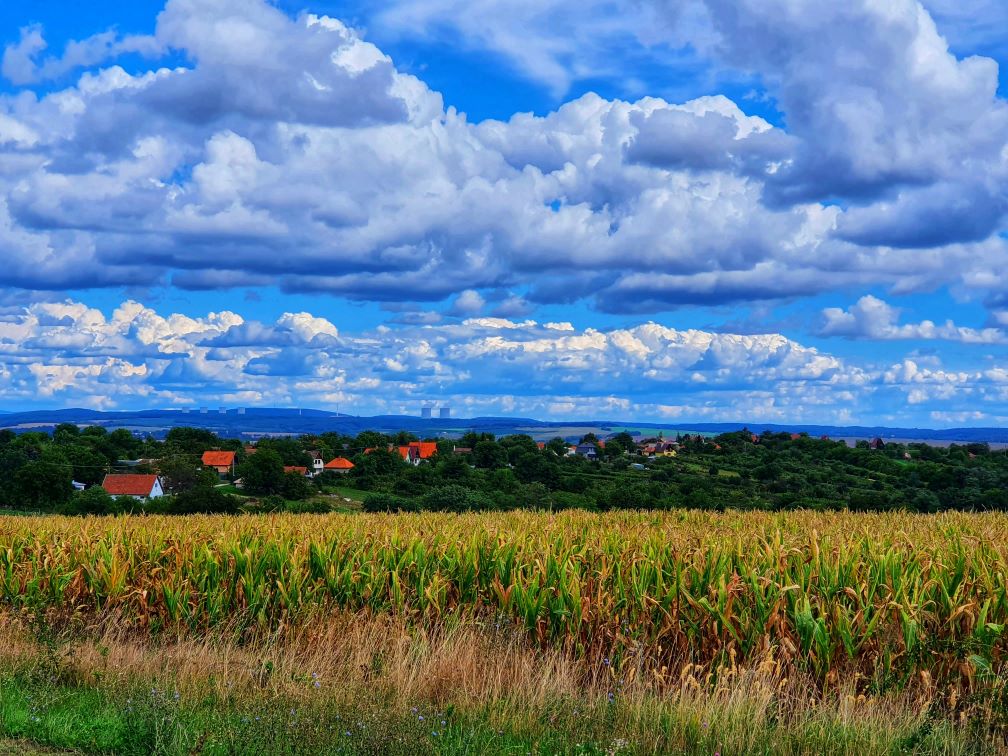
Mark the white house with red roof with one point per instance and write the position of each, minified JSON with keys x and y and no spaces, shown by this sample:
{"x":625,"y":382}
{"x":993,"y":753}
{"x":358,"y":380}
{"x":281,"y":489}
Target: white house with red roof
{"x":135,"y":486}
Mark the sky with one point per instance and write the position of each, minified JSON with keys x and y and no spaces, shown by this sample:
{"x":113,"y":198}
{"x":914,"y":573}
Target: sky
{"x":789,"y":211}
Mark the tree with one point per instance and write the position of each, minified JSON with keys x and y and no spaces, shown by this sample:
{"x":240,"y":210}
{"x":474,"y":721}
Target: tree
{"x":42,"y":485}
{"x":296,"y":486}
{"x":454,"y":467}
{"x":88,"y":465}
{"x":557,"y":445}
{"x":489,"y":455}
{"x":290,"y":450}
{"x":181,"y":473}
{"x":533,"y":467}
{"x":66,"y":433}
{"x":376,"y":463}
{"x":620,"y":444}
{"x":12,"y":459}
{"x":262,"y":473}
{"x":193,"y":441}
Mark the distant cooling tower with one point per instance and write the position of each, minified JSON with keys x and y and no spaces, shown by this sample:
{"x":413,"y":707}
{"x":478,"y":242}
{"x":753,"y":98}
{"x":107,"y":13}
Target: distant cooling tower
{"x":204,"y":410}
{"x":444,"y":413}
{"x":425,"y":412}
{"x":222,"y":410}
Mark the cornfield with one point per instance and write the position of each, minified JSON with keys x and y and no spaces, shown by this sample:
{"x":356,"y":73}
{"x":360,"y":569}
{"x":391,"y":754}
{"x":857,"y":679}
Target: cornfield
{"x":879,"y":598}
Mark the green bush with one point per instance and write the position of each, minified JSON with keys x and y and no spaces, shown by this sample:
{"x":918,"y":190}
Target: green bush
{"x":203,"y":500}
{"x":386,"y":502}
{"x":454,"y":498}
{"x":311,"y":506}
{"x":92,"y":501}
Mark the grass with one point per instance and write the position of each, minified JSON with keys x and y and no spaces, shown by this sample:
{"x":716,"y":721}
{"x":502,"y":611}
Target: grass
{"x":367,"y":684}
{"x":231,"y":488}
{"x":354,"y":494}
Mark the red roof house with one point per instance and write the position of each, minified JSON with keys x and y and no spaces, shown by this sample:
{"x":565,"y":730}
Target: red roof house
{"x":295,"y":469}
{"x":340,"y":465}
{"x":221,"y":461}
{"x":416,"y":451}
{"x":137,"y":486}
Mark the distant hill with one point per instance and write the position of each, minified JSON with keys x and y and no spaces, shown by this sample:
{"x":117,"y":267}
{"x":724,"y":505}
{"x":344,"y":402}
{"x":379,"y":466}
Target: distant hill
{"x":254,"y":422}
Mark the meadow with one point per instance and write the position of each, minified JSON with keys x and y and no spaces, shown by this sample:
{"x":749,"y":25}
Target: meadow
{"x":676,"y":631}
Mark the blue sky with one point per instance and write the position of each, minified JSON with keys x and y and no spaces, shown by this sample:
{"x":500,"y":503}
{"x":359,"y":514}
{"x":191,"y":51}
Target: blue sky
{"x":780,"y":210}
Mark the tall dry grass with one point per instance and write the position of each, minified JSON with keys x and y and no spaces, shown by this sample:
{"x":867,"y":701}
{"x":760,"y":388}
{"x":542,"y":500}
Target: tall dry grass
{"x":498,"y":677}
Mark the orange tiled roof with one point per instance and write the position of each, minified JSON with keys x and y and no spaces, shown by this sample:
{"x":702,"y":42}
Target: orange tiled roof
{"x":427,"y":449}
{"x":295,"y":469}
{"x":340,"y":463}
{"x":218,"y":458}
{"x":129,"y":485}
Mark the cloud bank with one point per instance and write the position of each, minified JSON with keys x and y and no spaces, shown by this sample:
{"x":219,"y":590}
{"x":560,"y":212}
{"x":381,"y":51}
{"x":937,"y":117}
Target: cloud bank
{"x":291,"y":151}
{"x":252,"y":148}
{"x":136,"y":357}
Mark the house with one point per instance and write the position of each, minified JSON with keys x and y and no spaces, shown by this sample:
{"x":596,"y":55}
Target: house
{"x":588,"y":450}
{"x":296,"y":469}
{"x":417,"y":451}
{"x":876,"y":443}
{"x":667,"y":448}
{"x":317,"y":463}
{"x":250,"y":450}
{"x":341,"y":465}
{"x":136,"y":486}
{"x":221,"y":461}
{"x":462,"y":450}
{"x":649,"y":449}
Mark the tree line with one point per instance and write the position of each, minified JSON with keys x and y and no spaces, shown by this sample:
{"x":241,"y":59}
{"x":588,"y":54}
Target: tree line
{"x":482,"y":472}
